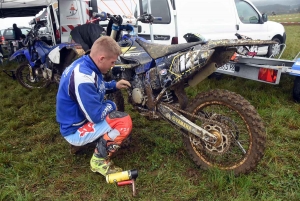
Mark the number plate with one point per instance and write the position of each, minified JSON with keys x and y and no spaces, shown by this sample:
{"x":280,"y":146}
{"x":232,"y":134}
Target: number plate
{"x":229,"y":67}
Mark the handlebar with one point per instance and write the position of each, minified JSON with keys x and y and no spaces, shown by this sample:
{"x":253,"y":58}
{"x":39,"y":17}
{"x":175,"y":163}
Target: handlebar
{"x":32,"y":35}
{"x":144,"y":18}
{"x":102,"y":16}
{"x":148,"y":18}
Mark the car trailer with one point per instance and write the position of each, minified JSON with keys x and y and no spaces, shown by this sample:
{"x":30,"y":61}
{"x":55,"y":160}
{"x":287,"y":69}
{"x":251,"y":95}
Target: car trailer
{"x":267,"y":70}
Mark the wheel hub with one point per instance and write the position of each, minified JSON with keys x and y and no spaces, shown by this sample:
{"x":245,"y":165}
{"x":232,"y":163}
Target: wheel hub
{"x":222,"y":144}
{"x":30,"y":79}
{"x":276,"y":49}
{"x":218,"y":135}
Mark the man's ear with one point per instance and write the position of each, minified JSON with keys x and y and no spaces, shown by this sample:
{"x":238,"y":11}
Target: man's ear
{"x":100,"y":58}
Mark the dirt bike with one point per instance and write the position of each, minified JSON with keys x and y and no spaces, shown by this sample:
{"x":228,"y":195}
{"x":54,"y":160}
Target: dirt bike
{"x":219,"y":128}
{"x":44,"y":64}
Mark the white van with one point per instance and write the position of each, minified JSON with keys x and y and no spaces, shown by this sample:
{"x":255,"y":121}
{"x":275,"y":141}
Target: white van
{"x":213,"y":19}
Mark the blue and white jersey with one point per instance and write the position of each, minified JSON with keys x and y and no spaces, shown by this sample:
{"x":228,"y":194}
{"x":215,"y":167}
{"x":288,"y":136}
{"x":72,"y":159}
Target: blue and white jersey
{"x":80,"y":96}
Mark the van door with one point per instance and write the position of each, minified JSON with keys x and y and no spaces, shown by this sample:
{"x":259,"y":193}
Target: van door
{"x":53,"y":24}
{"x":250,"y":22}
{"x":163,"y":30}
{"x":213,"y":19}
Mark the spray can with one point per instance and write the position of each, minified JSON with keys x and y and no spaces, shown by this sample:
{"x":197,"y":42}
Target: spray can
{"x":122,"y":176}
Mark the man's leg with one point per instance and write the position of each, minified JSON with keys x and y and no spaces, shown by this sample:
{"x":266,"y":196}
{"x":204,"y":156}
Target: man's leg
{"x":121,"y":125}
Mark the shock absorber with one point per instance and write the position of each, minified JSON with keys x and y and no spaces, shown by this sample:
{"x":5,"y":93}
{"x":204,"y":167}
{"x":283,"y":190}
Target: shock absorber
{"x":168,"y":97}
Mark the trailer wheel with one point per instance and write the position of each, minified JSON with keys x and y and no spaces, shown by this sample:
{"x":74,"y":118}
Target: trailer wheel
{"x":296,"y":89}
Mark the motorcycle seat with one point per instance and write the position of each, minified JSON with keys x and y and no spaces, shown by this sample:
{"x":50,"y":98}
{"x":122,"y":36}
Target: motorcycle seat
{"x":158,"y":50}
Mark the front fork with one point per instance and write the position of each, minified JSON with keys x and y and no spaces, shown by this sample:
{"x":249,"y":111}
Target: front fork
{"x":31,"y":77}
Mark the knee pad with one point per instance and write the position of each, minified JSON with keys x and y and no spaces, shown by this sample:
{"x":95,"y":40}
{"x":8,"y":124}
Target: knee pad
{"x":120,"y":121}
{"x":102,"y":146}
{"x":105,"y":146}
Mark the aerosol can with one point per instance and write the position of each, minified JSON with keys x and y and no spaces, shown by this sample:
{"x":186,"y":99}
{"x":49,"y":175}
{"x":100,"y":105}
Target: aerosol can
{"x":122,"y":176}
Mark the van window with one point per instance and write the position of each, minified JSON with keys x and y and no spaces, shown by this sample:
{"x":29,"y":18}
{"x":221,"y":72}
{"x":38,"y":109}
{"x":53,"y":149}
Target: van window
{"x":25,"y":31}
{"x":247,"y":13}
{"x":173,"y":4}
{"x":159,"y":8}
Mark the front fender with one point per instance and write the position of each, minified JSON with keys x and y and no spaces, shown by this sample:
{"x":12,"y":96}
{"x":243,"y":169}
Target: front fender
{"x":21,"y":51}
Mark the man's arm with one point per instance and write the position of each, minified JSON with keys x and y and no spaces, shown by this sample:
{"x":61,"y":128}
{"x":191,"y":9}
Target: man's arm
{"x":82,"y":90}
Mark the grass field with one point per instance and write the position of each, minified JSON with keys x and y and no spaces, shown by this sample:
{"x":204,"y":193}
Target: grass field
{"x":285,"y":18}
{"x":292,"y":41}
{"x":35,"y":163}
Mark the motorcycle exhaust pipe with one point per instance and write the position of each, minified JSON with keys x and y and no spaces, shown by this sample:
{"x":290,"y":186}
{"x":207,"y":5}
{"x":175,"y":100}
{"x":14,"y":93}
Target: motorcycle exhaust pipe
{"x":202,"y":74}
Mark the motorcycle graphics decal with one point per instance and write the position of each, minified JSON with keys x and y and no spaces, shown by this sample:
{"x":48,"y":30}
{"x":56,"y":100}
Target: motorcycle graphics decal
{"x":86,"y":129}
{"x":125,"y":49}
{"x":179,"y":122}
{"x":187,"y":62}
{"x":172,"y":117}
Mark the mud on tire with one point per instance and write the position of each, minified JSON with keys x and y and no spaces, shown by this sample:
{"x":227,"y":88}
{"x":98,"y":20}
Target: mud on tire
{"x":242,"y":139}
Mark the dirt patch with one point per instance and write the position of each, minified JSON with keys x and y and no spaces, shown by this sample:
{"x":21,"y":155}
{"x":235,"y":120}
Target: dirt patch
{"x":290,"y":23}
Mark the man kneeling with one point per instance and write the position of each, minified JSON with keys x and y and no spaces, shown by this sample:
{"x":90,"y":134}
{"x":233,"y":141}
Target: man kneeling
{"x":83,"y":114}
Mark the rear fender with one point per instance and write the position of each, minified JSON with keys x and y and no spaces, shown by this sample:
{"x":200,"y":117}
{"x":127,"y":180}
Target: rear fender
{"x":55,"y":54}
{"x":191,"y":37}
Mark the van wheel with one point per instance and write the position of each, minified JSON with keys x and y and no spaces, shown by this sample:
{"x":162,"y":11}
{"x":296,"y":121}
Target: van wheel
{"x":275,"y":50}
{"x":296,"y":90}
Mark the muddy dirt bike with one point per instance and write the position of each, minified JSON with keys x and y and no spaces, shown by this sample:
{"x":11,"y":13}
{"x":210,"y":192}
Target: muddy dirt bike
{"x":219,"y":128}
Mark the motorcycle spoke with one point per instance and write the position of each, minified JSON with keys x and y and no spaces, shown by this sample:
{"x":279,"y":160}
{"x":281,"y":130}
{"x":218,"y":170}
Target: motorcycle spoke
{"x":240,"y":146}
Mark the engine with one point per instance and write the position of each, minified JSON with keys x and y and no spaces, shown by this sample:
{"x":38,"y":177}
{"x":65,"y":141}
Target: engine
{"x":43,"y":72}
{"x":138,"y":95}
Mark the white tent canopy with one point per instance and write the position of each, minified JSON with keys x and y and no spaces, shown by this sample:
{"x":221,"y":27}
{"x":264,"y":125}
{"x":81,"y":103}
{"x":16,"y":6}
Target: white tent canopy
{"x":22,"y":8}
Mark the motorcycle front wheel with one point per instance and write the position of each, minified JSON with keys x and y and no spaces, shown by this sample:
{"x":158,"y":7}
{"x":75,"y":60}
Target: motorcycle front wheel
{"x":28,"y":78}
{"x":239,"y":130}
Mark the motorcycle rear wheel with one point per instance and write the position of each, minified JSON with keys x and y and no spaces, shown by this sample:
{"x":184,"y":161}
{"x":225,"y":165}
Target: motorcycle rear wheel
{"x":23,"y":77}
{"x":241,"y":136}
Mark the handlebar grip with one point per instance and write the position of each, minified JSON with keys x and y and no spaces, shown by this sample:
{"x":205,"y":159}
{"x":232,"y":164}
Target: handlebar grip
{"x":102,"y":15}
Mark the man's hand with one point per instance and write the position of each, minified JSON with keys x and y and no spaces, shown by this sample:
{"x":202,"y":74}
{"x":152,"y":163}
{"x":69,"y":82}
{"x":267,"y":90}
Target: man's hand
{"x":123,"y":84}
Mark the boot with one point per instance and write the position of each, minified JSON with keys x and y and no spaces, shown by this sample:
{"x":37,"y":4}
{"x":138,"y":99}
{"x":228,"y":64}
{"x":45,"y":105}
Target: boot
{"x":103,"y":165}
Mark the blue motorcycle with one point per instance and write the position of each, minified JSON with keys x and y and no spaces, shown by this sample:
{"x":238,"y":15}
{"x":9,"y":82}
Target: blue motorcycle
{"x":44,"y":64}
{"x":219,"y":128}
